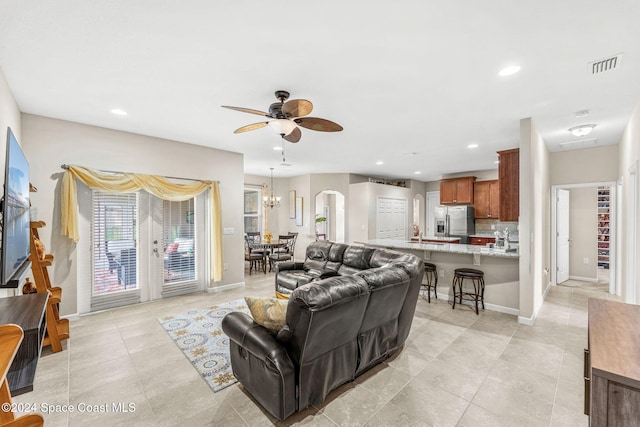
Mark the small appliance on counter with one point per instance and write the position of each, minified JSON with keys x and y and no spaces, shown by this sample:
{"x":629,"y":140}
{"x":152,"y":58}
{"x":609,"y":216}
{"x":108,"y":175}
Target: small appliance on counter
{"x":455,"y":221}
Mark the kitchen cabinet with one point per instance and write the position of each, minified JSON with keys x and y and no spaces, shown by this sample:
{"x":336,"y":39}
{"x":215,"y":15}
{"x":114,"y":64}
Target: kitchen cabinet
{"x":509,"y":178}
{"x":486,"y":196}
{"x":481,"y":241}
{"x":457,"y":191}
{"x":612,"y":364}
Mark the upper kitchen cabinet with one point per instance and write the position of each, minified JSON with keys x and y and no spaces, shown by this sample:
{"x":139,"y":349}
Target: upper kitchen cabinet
{"x":509,"y":177}
{"x":487,"y":199}
{"x":457,"y":191}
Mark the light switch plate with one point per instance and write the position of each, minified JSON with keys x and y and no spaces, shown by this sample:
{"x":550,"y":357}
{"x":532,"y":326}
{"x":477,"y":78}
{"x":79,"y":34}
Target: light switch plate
{"x":229,"y":230}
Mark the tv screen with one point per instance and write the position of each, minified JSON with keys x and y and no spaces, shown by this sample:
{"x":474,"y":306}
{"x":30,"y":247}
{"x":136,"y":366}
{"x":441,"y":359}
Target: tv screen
{"x":16,"y":233}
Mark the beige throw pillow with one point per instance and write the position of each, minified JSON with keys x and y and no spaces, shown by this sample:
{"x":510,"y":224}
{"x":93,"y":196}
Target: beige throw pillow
{"x":268,"y":312}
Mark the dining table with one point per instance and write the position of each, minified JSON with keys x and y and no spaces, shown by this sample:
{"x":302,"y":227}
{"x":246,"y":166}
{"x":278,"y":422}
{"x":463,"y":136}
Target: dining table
{"x":266,"y":248}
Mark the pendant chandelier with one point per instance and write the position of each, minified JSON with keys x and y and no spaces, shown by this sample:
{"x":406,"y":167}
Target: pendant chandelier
{"x":271,"y":201}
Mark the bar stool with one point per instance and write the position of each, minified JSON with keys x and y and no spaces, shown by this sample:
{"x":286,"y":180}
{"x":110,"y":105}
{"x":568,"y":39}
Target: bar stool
{"x":431,"y":274}
{"x":477,"y":278}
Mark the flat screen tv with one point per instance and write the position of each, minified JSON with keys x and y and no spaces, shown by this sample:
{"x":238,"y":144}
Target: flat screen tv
{"x":16,"y":233}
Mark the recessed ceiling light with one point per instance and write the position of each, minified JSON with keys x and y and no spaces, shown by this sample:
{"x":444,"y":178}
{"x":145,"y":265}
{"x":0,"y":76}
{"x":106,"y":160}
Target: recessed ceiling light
{"x":508,"y":71}
{"x":277,"y":148}
{"x":379,"y":162}
{"x":582,"y":130}
{"x":417,"y":172}
{"x":119,"y":112}
{"x":472,"y":146}
{"x":497,"y":162}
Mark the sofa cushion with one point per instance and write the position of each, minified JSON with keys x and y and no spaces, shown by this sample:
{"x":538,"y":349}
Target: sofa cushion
{"x":355,"y":259}
{"x":317,"y":255}
{"x":336,"y":254}
{"x":268,"y":312}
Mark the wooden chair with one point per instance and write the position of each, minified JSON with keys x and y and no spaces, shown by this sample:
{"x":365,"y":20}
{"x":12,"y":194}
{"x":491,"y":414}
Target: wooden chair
{"x":285,"y":253}
{"x":10,"y":339}
{"x":255,"y":258}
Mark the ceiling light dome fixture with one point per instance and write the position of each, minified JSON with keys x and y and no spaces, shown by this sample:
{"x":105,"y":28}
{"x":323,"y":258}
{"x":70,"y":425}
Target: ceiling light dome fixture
{"x":508,"y":71}
{"x":582,"y":130}
{"x":283,"y":126}
{"x":271,"y":201}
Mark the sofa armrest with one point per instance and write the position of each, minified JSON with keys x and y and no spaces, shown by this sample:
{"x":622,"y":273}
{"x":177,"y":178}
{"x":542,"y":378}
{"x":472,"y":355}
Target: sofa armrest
{"x":256,"y":339}
{"x":261,"y":364}
{"x":290,"y":265}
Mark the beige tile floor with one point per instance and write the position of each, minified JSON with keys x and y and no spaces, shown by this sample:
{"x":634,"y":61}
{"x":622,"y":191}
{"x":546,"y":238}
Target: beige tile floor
{"x":456,"y":369}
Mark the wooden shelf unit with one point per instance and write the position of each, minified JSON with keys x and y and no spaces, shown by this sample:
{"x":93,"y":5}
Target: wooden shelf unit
{"x":57,"y":328}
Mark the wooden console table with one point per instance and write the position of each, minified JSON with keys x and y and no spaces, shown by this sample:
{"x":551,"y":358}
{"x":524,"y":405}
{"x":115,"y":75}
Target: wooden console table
{"x":28,"y":312}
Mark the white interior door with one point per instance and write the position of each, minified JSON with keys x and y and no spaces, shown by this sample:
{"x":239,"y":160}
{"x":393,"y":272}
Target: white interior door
{"x":391,"y":218}
{"x":562,"y":237}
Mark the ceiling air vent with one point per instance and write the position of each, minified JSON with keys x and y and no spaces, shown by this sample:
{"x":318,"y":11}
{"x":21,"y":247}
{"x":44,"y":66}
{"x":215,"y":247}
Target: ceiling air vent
{"x":607,"y":64}
{"x":581,"y":143}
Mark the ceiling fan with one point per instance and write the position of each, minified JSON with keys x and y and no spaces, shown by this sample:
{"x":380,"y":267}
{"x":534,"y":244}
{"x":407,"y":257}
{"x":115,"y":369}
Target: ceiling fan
{"x":287,"y":118}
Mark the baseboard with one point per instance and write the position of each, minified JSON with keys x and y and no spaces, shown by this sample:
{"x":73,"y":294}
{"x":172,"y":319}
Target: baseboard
{"x":489,"y":306}
{"x":529,"y":321}
{"x":583,"y":279}
{"x":225,"y":287}
{"x":74,"y":316}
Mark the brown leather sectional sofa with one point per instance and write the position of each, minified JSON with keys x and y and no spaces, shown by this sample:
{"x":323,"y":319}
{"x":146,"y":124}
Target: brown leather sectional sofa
{"x":336,"y":328}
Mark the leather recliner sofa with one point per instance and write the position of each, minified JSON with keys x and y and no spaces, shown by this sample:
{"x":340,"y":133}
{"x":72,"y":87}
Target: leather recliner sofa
{"x":336,"y":328}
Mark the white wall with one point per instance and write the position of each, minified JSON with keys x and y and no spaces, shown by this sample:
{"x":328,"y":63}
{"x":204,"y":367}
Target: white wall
{"x":362,"y":208}
{"x":534,"y":224}
{"x":628,"y":155}
{"x":589,"y":165}
{"x":583,"y":232}
{"x":50,"y":143}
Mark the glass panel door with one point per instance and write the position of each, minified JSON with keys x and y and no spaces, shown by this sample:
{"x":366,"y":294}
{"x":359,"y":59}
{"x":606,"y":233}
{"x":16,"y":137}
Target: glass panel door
{"x":179,"y":241}
{"x":115,"y":242}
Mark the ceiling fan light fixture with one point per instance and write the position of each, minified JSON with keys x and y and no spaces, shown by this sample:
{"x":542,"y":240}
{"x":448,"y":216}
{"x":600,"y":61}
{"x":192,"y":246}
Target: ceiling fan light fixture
{"x":283,"y":126}
{"x":582,"y":130}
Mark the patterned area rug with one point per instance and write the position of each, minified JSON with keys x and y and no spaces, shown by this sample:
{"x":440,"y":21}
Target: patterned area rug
{"x":198,"y":333}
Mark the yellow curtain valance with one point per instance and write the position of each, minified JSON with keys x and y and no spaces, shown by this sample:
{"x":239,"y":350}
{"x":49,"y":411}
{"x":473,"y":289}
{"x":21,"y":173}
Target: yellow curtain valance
{"x":132,"y":182}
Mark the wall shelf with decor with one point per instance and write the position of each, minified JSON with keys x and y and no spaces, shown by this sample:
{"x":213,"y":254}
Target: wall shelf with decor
{"x":604,"y":194}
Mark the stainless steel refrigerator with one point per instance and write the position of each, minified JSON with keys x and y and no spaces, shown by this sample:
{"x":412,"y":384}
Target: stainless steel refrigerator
{"x":455,"y":221}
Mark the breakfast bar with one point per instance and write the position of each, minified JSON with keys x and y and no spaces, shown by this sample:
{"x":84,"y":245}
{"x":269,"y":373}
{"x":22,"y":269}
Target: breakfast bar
{"x":501,"y":268}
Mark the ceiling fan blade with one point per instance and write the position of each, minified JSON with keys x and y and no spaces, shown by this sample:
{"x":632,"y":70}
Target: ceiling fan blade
{"x":247,"y":110}
{"x":294,"y":136}
{"x":297,"y":108}
{"x":315,"y":123}
{"x":252,"y":126}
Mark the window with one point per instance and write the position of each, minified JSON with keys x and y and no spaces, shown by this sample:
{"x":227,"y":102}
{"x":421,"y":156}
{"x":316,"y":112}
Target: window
{"x":115,"y":236}
{"x":252,"y":209}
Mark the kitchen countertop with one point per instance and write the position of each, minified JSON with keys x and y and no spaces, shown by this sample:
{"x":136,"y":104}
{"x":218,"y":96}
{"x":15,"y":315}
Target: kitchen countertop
{"x":439,"y":239}
{"x":440,"y":247}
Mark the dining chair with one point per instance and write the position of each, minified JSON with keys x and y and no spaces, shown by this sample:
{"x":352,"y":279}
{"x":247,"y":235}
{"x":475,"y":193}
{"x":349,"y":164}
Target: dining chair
{"x":254,"y":258}
{"x":285,"y":253}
